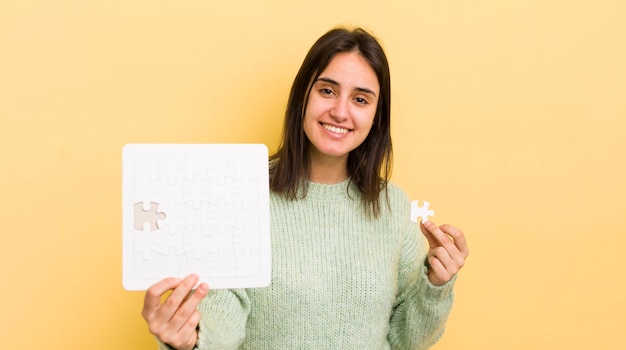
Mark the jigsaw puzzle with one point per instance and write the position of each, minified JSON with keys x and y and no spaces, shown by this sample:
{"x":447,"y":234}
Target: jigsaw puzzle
{"x":196,"y":208}
{"x":420,"y":211}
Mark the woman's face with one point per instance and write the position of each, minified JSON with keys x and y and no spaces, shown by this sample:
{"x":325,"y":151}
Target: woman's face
{"x":341,"y":107}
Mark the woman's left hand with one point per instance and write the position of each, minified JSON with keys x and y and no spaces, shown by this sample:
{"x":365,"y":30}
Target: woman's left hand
{"x":447,"y":253}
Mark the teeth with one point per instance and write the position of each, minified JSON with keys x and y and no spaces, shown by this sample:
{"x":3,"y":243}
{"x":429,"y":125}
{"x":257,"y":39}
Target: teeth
{"x":335,"y":129}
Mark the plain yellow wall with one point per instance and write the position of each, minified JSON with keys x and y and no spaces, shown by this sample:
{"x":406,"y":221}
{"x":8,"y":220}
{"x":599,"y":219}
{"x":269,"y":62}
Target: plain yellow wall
{"x":508,"y":116}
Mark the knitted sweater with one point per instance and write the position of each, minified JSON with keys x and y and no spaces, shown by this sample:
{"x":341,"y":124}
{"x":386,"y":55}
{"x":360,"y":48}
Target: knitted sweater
{"x":340,"y":280}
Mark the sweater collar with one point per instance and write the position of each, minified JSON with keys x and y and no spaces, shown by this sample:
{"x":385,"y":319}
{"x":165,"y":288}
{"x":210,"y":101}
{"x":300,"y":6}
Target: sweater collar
{"x":339,"y":191}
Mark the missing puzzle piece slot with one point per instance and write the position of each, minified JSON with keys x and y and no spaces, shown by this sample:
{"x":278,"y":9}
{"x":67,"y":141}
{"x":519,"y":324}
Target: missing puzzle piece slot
{"x":149,"y":217}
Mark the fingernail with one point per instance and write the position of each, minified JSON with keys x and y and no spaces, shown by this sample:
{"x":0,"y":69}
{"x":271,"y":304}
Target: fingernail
{"x":203,"y":288}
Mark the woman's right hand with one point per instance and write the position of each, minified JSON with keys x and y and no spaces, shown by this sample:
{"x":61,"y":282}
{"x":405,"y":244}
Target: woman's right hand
{"x":175,"y":321}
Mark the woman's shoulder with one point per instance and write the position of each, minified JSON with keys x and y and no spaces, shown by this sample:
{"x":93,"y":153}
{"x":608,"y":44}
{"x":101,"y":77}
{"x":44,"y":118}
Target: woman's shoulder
{"x":396,"y":193}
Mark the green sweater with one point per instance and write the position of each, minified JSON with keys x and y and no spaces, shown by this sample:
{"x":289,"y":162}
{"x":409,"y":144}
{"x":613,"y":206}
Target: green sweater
{"x":340,"y":280}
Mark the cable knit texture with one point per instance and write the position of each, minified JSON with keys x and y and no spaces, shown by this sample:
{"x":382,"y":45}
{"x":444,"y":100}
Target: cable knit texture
{"x":340,"y":280}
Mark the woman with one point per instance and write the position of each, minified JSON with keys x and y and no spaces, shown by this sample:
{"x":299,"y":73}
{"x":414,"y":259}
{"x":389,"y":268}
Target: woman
{"x":349,"y":269}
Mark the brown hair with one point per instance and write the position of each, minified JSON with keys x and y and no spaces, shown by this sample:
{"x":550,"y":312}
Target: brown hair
{"x":369,"y":165}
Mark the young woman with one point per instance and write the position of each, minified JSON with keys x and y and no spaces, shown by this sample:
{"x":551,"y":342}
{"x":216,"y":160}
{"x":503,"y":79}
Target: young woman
{"x":349,"y":268}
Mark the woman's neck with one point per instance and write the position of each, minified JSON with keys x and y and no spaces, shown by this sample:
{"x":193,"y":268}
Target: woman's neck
{"x":328,"y":170}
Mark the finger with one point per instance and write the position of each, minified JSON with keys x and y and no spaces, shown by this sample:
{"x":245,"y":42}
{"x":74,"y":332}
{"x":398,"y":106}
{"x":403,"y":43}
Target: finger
{"x":438,"y":237}
{"x":188,"y":310}
{"x":186,"y":336}
{"x":173,"y":302}
{"x":457,"y":236}
{"x":432,"y":242}
{"x":438,"y":275}
{"x":189,"y":330}
{"x":152,"y":299}
{"x":451,"y":263}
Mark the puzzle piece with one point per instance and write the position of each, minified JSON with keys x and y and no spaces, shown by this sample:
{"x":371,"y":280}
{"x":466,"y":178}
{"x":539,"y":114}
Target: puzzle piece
{"x":144,"y":189}
{"x":145,"y":265}
{"x":194,"y":190}
{"x":223,"y":166}
{"x":170,"y":190}
{"x":251,"y":257}
{"x":150,"y":216}
{"x":195,"y":219}
{"x":247,"y":214}
{"x":144,"y":242}
{"x":200,"y":264}
{"x":171,"y":168}
{"x":222,"y":190}
{"x":170,"y":242}
{"x":226,"y":262}
{"x":247,"y":166}
{"x":173,"y":223}
{"x":423,"y":211}
{"x":171,"y":263}
{"x":144,"y":166}
{"x":223,"y":218}
{"x":197,"y":241}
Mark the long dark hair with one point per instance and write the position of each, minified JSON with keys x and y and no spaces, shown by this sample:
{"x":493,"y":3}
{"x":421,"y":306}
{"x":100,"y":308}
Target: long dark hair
{"x":369,"y":165}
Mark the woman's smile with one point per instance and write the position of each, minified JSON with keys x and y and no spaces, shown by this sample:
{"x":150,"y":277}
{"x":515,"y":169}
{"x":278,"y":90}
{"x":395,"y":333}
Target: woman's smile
{"x":335,"y":129}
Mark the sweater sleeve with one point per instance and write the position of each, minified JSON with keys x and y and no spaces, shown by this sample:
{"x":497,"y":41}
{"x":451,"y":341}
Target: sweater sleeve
{"x":421,"y":309}
{"x":224,"y":314}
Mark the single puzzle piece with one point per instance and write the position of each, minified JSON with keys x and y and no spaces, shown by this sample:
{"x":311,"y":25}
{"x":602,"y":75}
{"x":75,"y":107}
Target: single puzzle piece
{"x":225,"y":260}
{"x":245,"y":237}
{"x":247,"y":262}
{"x":223,"y":166}
{"x":145,"y":265}
{"x":192,"y":218}
{"x":172,"y":167}
{"x":200,"y":264}
{"x":247,"y":214}
{"x":197,"y":165}
{"x":194,"y":190}
{"x":172,"y":263}
{"x":144,"y":242}
{"x":174,"y":223}
{"x":197,"y":241}
{"x":222,"y":190}
{"x":423,"y":211}
{"x":222,"y":218}
{"x":247,"y":191}
{"x":144,"y":164}
{"x":247,"y":167}
{"x":171,"y":243}
{"x":143,"y":190}
{"x":171,"y":190}
{"x":150,"y":216}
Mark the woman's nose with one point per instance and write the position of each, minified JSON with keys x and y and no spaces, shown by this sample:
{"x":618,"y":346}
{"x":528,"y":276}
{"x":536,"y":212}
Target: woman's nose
{"x":339,"y":110}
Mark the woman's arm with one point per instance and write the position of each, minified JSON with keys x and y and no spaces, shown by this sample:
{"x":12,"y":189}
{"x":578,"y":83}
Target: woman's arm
{"x":421,"y":308}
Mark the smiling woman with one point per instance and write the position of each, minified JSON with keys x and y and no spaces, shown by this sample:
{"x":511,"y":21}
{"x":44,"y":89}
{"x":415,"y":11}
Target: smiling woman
{"x":370,"y":162}
{"x":339,"y":115}
{"x":349,"y":268}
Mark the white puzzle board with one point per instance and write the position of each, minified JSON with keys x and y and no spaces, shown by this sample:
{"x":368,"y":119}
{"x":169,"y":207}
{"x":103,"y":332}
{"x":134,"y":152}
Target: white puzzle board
{"x":201,"y":208}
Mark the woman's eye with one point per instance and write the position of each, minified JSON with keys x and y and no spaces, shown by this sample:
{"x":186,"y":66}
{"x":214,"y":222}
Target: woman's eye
{"x":361,"y":100}
{"x":326,"y":91}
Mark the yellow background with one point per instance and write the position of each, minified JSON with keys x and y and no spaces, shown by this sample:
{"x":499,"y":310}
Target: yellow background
{"x":508,"y":116}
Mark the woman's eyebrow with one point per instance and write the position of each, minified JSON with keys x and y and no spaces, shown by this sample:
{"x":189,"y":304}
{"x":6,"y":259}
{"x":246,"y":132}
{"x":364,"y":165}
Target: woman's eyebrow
{"x":335,"y":83}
